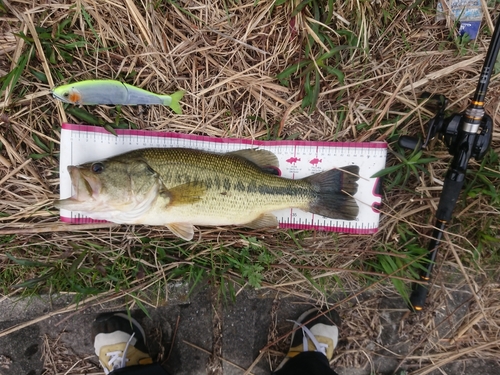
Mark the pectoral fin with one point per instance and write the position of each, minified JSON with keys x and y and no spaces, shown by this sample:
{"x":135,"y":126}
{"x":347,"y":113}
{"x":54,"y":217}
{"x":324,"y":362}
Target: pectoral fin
{"x":188,"y":193}
{"x":182,"y":230}
{"x":263,"y":158}
{"x":263,"y":221}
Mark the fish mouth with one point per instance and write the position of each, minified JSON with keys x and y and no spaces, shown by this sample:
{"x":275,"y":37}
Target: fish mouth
{"x":59,"y":97}
{"x":86,"y":189}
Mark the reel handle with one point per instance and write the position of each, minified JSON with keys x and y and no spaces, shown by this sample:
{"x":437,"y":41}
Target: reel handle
{"x":410,"y":143}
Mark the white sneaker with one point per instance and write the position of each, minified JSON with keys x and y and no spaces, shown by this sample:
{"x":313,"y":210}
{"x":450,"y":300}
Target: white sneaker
{"x":119,"y":341}
{"x":319,"y":334}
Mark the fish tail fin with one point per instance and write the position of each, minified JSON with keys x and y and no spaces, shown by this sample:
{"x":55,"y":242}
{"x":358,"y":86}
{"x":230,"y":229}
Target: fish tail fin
{"x":173,"y":101}
{"x":335,"y":189}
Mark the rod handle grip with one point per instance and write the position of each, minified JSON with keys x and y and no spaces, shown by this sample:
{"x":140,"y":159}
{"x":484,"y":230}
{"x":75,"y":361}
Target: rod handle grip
{"x":450,"y":194}
{"x":418,"y":296}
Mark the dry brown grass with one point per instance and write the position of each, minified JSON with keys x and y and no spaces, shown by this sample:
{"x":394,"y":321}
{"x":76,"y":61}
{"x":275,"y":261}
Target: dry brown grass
{"x":57,"y":359}
{"x":225,"y":55}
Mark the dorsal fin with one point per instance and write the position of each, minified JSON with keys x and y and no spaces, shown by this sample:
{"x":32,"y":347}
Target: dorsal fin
{"x":262,"y":158}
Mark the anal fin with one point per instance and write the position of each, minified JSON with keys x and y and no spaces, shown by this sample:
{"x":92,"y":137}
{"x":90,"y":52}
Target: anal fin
{"x":263,"y":221}
{"x":182,"y":230}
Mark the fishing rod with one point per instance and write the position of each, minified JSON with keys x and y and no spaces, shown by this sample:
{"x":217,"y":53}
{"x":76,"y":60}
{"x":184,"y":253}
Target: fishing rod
{"x":467,"y":135}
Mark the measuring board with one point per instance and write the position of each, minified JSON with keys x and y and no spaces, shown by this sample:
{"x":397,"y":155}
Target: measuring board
{"x":297,"y":159}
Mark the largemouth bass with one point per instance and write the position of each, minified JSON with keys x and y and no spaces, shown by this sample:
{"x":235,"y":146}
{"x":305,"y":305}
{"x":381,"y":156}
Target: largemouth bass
{"x":107,"y":91}
{"x":180,"y":188}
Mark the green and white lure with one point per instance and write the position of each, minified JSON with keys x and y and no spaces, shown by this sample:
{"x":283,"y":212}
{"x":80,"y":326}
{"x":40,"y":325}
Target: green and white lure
{"x":106,"y":91}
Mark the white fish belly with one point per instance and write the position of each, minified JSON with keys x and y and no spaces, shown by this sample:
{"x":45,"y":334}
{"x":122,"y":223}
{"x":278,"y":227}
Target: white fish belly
{"x":215,"y":213}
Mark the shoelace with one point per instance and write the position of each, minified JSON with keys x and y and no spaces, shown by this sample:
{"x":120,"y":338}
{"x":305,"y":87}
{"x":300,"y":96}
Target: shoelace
{"x":306,"y":333}
{"x":115,"y":360}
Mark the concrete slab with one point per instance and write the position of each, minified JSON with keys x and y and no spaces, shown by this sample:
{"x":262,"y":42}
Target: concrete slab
{"x":245,"y":330}
{"x":471,"y":366}
{"x":20,"y":352}
{"x":191,"y":334}
{"x":193,"y":341}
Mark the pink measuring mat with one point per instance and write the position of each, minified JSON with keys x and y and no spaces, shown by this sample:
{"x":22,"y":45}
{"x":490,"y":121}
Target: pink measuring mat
{"x":297,"y":159}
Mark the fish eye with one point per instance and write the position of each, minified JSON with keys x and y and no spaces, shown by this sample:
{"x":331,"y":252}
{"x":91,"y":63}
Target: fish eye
{"x":66,"y":94}
{"x":97,"y":168}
